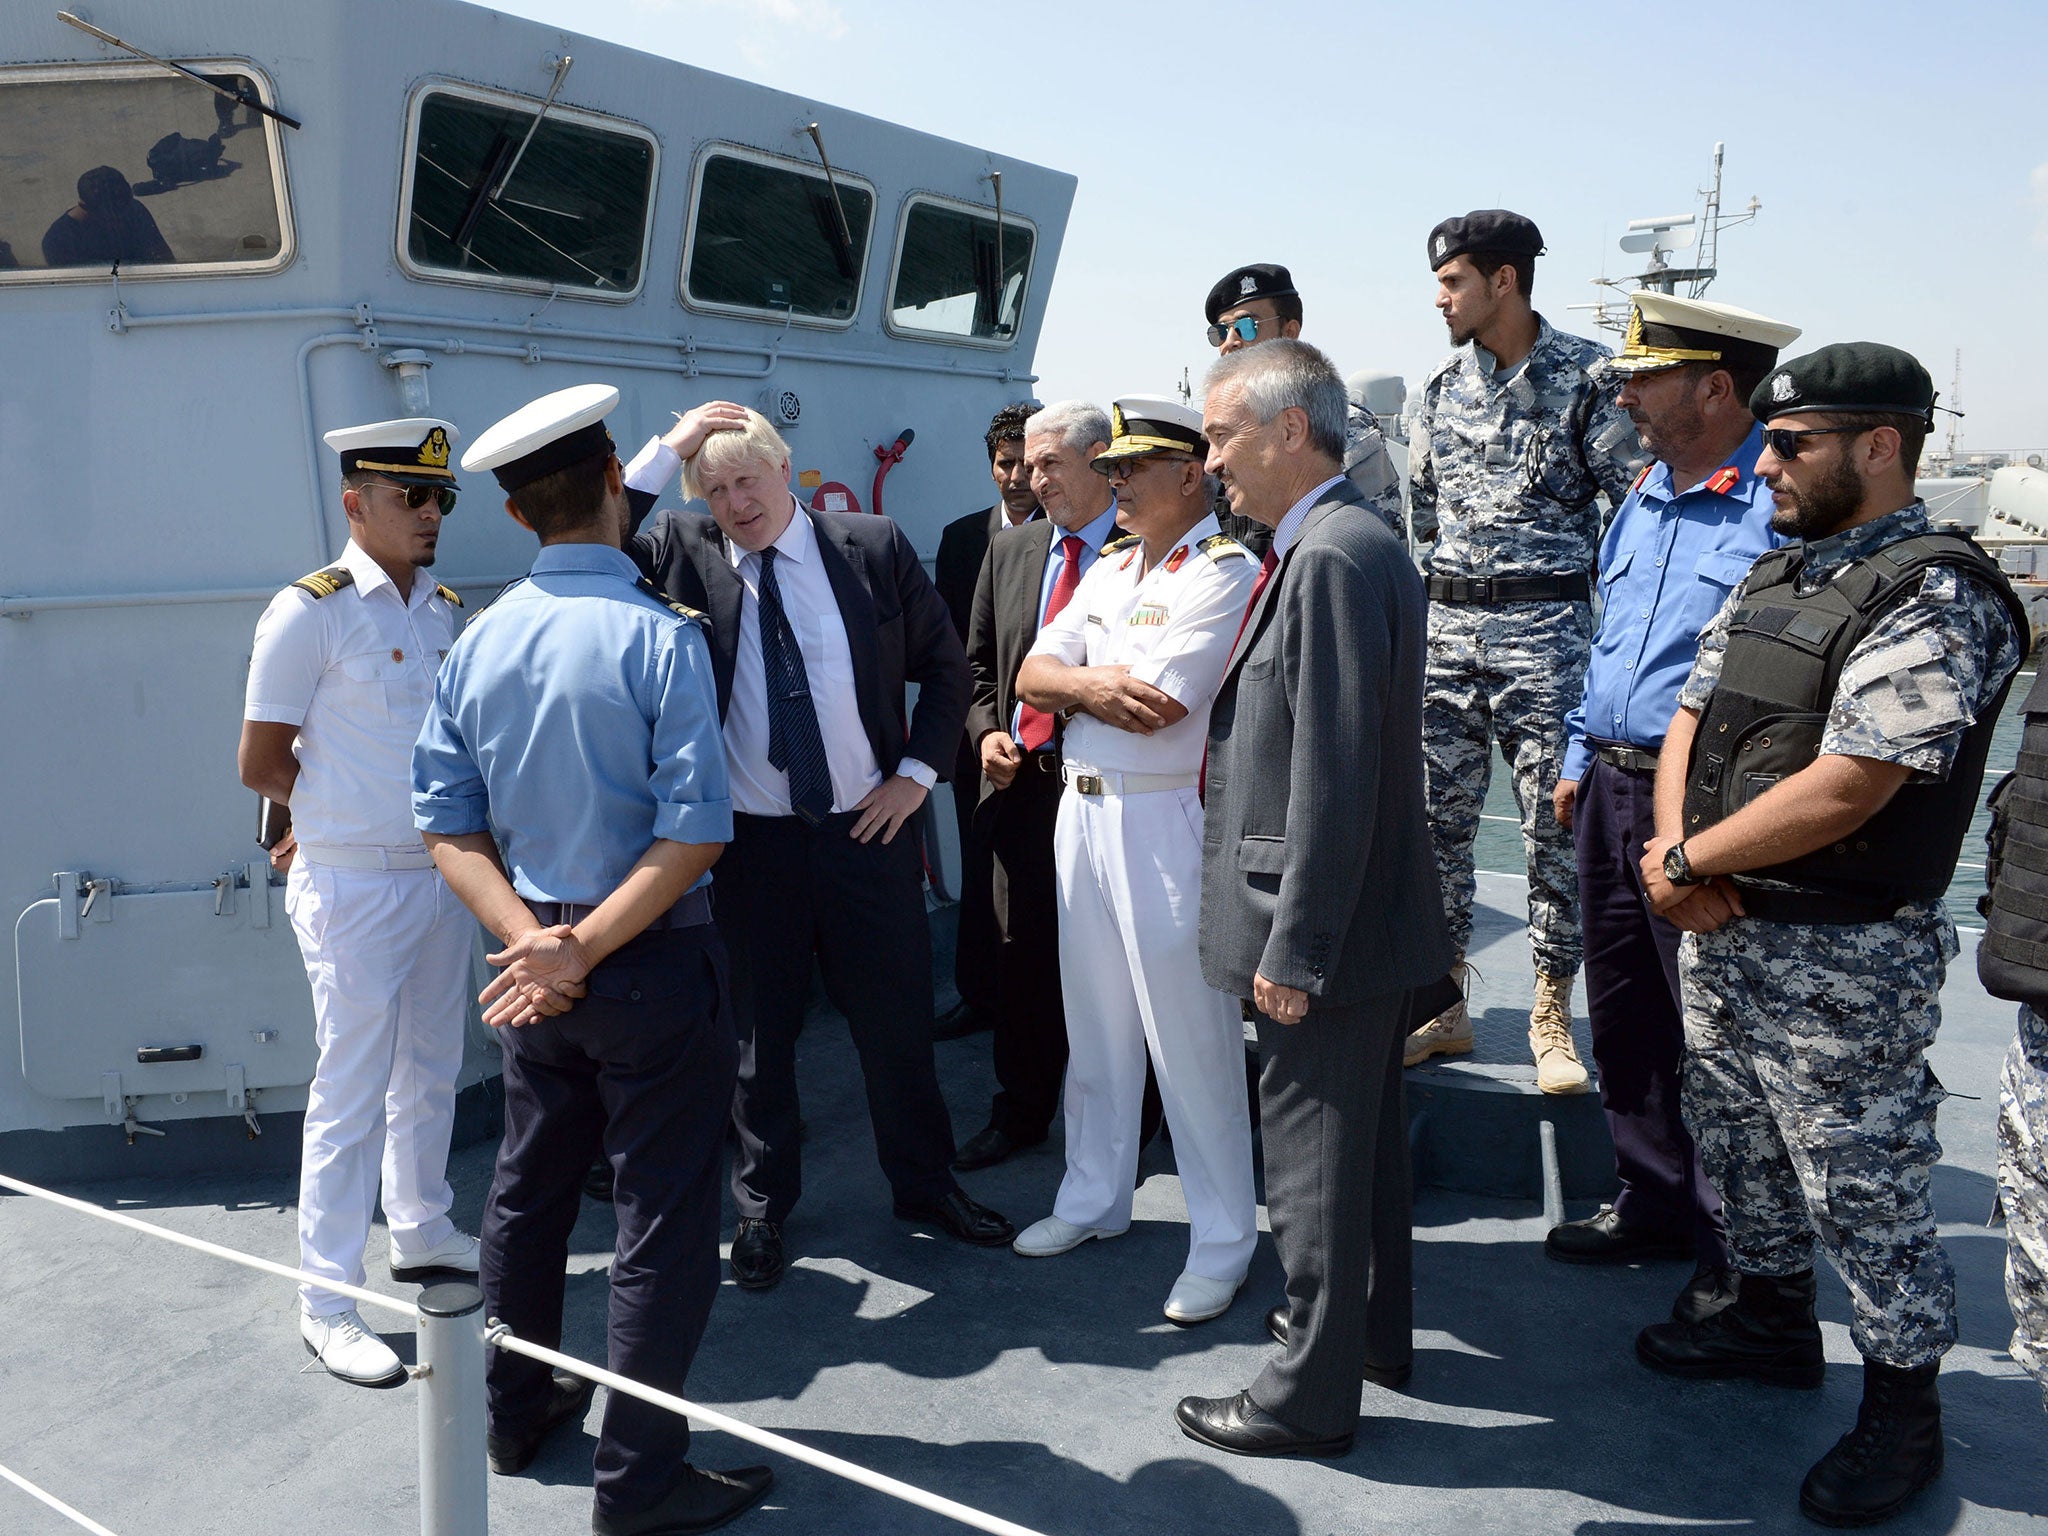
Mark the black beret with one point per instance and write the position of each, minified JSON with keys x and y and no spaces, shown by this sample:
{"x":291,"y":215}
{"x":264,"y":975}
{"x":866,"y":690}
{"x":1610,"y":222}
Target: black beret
{"x":1260,"y":280}
{"x":1493,"y":231}
{"x":1849,"y":376}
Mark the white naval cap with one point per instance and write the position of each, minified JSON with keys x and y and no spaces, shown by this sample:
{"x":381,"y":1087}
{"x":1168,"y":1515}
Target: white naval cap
{"x":1665,"y":330}
{"x":1142,"y":424}
{"x":413,"y":449}
{"x":545,"y":435}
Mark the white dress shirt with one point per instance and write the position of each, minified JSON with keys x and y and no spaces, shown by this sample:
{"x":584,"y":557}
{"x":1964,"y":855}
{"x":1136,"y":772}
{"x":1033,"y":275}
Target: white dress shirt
{"x":1290,"y":526}
{"x":355,"y":673}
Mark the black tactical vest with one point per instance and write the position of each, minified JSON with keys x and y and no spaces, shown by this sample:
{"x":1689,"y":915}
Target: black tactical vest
{"x":2012,"y":958}
{"x":1765,"y":720}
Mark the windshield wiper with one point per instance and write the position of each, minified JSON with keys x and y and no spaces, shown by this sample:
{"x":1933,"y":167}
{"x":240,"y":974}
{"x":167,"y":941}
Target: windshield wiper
{"x":236,"y":97}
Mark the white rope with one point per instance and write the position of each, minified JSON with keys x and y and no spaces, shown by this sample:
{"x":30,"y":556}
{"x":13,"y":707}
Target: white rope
{"x":86,"y":1522}
{"x":503,"y":1337}
{"x":200,"y":1245}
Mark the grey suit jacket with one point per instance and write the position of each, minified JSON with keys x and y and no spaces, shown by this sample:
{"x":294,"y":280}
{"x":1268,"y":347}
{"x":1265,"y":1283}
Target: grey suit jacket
{"x":1317,"y":867}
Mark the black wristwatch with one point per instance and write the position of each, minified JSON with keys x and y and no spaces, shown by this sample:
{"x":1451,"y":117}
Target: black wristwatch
{"x":1677,"y":869}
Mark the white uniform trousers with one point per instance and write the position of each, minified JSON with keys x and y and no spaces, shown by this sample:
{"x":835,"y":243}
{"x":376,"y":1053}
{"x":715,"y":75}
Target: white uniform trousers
{"x":1130,"y":891}
{"x":388,"y":954}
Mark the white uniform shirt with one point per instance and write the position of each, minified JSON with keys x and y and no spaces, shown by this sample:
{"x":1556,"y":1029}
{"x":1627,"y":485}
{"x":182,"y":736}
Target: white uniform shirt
{"x":1172,"y":625}
{"x":355,"y":673}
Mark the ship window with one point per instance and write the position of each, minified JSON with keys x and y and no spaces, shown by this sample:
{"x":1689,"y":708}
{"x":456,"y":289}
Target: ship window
{"x":570,"y":211}
{"x":950,"y":279}
{"x":777,"y":237}
{"x":130,"y":164}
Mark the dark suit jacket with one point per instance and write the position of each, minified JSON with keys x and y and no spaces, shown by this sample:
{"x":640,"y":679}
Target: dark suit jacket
{"x":962,"y":547}
{"x":896,"y":625}
{"x":1004,"y":623}
{"x":1317,"y":867}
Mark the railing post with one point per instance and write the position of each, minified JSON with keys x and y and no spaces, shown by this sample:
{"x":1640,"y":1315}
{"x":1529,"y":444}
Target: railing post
{"x":453,"y":1482}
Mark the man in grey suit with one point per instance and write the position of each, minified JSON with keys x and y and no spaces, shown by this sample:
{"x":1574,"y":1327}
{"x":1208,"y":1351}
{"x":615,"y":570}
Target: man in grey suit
{"x":1319,"y":894}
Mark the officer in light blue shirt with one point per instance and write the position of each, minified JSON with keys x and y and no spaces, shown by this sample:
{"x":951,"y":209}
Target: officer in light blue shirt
{"x":570,"y":781}
{"x":1684,"y":536}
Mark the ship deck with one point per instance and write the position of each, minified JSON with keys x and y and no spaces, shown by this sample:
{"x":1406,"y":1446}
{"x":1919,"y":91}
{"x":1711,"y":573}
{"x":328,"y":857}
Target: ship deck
{"x":162,"y":1391}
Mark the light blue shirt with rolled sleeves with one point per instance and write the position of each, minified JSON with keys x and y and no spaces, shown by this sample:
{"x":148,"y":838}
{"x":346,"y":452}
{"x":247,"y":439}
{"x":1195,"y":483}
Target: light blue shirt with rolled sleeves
{"x":1667,"y":564}
{"x":576,"y":721}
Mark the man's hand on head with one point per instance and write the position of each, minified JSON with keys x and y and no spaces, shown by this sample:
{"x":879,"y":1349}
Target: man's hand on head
{"x":687,"y":436}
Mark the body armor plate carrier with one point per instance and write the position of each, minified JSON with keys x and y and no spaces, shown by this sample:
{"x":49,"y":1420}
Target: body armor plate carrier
{"x":2012,"y":957}
{"x":1767,"y":714}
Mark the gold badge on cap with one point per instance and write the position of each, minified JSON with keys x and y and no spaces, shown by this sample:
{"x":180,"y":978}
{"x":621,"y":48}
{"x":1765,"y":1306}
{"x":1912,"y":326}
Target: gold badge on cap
{"x":434,"y":451}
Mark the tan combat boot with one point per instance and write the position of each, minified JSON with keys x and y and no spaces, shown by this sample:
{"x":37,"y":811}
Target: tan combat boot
{"x":1558,"y":1069}
{"x":1450,"y":1032}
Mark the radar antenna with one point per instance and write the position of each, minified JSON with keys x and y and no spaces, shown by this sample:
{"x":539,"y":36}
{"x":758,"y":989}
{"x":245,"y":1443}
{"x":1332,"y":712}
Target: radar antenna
{"x":1658,"y":238}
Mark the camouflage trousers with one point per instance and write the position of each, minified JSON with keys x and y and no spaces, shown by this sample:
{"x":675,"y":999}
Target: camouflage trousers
{"x":1808,"y":1090}
{"x":1505,"y":674}
{"x":2023,"y":1191}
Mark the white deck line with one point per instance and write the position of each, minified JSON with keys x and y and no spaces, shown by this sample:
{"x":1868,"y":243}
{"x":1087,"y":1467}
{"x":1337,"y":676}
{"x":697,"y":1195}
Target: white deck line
{"x":84,"y":1522}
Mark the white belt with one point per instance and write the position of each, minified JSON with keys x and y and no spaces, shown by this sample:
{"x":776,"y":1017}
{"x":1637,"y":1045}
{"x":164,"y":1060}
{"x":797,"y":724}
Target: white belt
{"x":1097,"y":781}
{"x":367,"y":858}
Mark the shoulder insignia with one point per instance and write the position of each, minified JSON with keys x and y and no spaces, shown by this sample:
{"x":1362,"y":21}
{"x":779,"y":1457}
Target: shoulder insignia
{"x":681,"y":610}
{"x":1116,"y":546}
{"x":328,"y":582}
{"x":448,"y":594}
{"x":1637,"y":484}
{"x":1724,"y":479}
{"x":1217,"y":545}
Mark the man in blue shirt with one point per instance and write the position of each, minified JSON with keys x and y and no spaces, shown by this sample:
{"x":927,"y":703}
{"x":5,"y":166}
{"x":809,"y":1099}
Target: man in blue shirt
{"x":1687,"y":532}
{"x":571,"y":783}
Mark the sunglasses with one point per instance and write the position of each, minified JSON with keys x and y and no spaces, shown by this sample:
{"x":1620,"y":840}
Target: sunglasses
{"x":1246,"y":327}
{"x":1784,"y":442}
{"x":417,"y":496}
{"x":1123,"y":469}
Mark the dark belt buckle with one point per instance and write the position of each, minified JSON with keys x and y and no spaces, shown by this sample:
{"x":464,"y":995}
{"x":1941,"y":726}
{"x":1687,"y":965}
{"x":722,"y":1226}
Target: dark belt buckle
{"x":1046,"y":762}
{"x":1479,"y":589}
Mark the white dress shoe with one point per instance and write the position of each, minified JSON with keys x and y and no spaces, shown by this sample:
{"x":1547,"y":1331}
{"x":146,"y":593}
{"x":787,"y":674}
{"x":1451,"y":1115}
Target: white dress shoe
{"x":1196,"y":1298}
{"x":456,"y":1255}
{"x":349,"y":1350}
{"x":1044,"y":1239}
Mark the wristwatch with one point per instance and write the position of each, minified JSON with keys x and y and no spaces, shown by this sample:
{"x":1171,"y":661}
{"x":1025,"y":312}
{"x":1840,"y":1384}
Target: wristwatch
{"x":1677,"y":869}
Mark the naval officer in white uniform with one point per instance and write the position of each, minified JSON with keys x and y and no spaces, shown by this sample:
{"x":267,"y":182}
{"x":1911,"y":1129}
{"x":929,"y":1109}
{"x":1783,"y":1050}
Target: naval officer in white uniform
{"x":340,"y":680}
{"x":1135,"y":660}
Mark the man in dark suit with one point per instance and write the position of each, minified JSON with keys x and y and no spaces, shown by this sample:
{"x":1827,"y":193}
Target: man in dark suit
{"x":818,"y":620}
{"x":1318,"y":894}
{"x":1028,"y":576}
{"x":962,"y":548}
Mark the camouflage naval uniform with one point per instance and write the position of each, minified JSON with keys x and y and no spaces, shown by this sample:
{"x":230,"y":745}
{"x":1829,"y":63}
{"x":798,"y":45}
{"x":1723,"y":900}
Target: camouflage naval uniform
{"x":2023,"y":1191}
{"x":1503,"y":476}
{"x":1806,"y":1079}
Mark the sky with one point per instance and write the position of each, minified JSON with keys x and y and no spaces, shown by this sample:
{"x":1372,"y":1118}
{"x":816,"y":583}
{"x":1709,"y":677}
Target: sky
{"x":1899,"y":152}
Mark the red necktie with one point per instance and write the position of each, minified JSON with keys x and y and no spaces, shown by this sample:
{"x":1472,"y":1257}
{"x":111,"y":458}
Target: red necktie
{"x":1034,"y":726}
{"x":1265,"y":574}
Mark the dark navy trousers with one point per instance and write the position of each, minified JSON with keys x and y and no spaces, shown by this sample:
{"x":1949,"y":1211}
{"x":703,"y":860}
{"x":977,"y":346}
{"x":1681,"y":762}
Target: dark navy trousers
{"x":1638,"y":1026}
{"x":641,"y":1069}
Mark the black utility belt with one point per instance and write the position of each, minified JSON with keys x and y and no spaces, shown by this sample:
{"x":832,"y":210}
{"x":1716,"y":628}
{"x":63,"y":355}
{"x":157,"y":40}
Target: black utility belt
{"x":693,"y":911}
{"x":1628,"y":759}
{"x":1773,"y":905}
{"x":1487,"y":590}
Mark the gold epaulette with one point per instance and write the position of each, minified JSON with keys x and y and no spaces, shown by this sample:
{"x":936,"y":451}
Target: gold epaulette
{"x":681,"y":610}
{"x":1117,"y":546}
{"x":448,"y":594}
{"x":1217,"y":545}
{"x":328,"y":582}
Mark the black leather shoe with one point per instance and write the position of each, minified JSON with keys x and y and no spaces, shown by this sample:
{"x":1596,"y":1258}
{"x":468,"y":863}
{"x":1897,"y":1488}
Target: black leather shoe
{"x":567,"y":1403}
{"x":962,"y":1020}
{"x":702,"y":1501}
{"x":757,"y":1262}
{"x":987,"y":1147}
{"x":963,"y":1218}
{"x":1768,"y":1334}
{"x":1392,"y":1377}
{"x":597,"y":1181}
{"x":1711,"y":1289}
{"x":1608,"y":1239}
{"x":1893,"y":1452}
{"x":1242,"y":1427}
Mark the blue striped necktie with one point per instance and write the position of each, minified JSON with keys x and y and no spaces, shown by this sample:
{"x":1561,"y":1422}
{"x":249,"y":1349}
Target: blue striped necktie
{"x":795,"y":744}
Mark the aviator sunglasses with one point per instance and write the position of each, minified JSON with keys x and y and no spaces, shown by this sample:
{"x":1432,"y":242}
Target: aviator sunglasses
{"x":1246,"y":326}
{"x":417,"y":496}
{"x":1784,"y":442}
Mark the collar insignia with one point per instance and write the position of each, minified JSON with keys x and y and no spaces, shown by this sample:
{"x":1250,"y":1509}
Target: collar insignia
{"x":1724,"y":479}
{"x":1174,"y":560}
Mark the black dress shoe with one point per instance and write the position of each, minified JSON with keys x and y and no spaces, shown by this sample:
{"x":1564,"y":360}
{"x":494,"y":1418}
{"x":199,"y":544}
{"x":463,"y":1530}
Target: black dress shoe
{"x":1389,"y":1376}
{"x":963,"y":1218}
{"x":1710,"y":1289}
{"x":960,"y":1021}
{"x":757,"y":1262}
{"x":597,"y":1181}
{"x":568,"y":1401}
{"x":1609,"y":1239}
{"x":987,"y":1147}
{"x":1242,"y":1427}
{"x":702,"y":1501}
